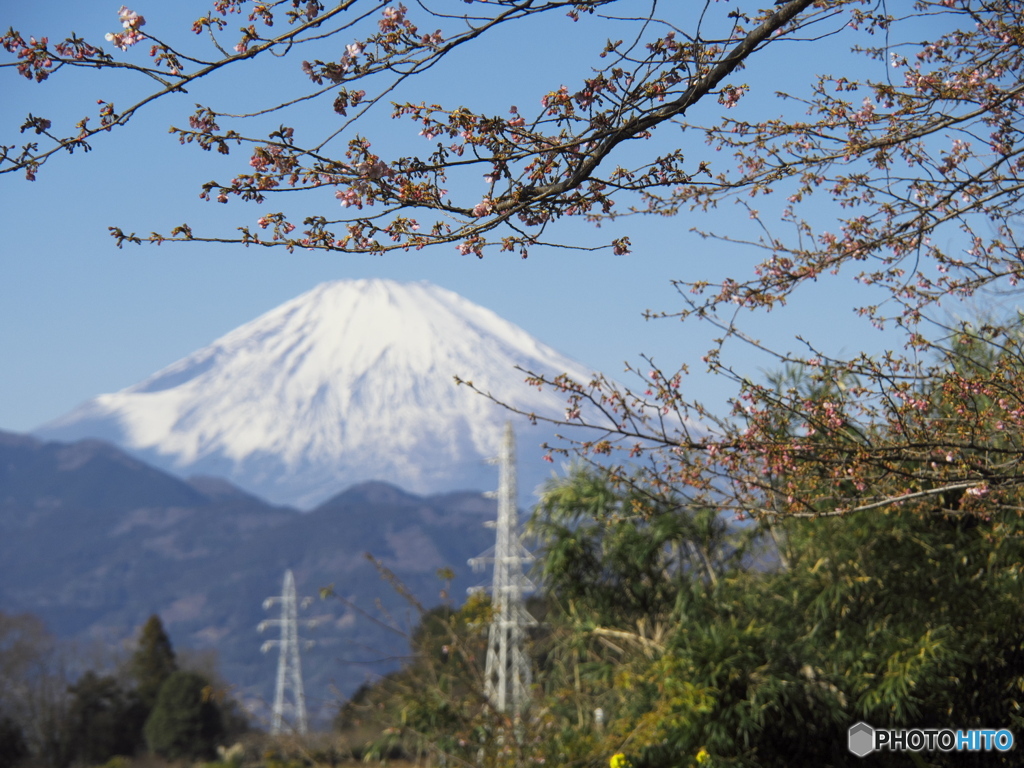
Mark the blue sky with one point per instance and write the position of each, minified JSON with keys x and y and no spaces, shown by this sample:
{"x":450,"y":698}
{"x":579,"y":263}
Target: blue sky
{"x":78,"y":317}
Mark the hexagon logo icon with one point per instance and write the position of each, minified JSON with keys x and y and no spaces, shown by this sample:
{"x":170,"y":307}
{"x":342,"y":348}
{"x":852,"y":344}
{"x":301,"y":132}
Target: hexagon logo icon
{"x":861,"y":739}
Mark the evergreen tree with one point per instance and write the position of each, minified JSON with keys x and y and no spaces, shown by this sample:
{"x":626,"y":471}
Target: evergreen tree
{"x":186,"y":722}
{"x":12,"y":743}
{"x":104,"y":719}
{"x":153,"y":662}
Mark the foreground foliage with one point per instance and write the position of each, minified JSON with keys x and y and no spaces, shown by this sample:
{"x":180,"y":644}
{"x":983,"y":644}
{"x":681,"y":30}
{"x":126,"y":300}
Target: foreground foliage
{"x":901,"y":619}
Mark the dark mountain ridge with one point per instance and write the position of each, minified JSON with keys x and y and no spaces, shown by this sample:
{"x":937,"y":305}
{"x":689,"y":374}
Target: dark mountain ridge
{"x":94,"y":541}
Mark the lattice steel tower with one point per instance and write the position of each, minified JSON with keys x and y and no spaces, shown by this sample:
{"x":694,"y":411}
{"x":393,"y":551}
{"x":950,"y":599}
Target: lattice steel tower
{"x":289,"y":667}
{"x":507,"y":672}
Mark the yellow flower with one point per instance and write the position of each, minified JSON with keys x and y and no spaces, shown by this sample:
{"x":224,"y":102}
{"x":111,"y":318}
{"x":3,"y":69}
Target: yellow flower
{"x":619,"y":760}
{"x":703,"y":756}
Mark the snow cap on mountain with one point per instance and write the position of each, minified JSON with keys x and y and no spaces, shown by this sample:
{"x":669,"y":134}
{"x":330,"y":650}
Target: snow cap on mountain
{"x":349,"y":382}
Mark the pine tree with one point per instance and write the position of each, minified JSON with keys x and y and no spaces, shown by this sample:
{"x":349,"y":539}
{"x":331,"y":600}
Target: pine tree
{"x":13,"y":749}
{"x":153,"y":662}
{"x":104,"y":719}
{"x":186,"y":721}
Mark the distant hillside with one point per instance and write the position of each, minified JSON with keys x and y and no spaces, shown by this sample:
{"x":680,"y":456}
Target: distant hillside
{"x":94,"y":541}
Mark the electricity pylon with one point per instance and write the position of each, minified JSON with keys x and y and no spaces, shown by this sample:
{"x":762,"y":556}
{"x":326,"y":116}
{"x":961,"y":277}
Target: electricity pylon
{"x":289,"y":668}
{"x":507,"y":671}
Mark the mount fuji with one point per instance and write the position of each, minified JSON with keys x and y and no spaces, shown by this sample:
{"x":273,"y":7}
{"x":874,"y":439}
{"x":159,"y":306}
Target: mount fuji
{"x":349,"y":382}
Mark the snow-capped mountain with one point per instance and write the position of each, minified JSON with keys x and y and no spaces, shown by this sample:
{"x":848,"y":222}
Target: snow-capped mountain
{"x":351,"y":381}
